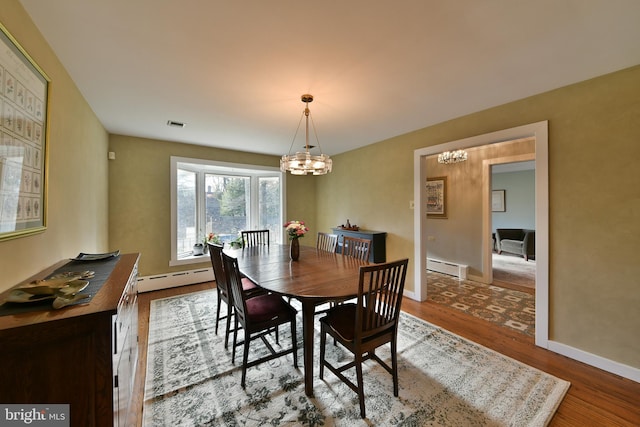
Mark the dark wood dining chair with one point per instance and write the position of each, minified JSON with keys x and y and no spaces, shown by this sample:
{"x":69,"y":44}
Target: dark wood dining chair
{"x":222,"y":289}
{"x":363,"y":326}
{"x":356,"y":247}
{"x":254,"y":237}
{"x":257,"y":316}
{"x":326,"y":242}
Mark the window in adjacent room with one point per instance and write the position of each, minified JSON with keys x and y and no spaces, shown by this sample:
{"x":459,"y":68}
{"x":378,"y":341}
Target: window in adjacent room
{"x":221,"y":198}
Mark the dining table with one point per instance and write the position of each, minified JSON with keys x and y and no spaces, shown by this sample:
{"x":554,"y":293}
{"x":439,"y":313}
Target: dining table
{"x":315,"y":278}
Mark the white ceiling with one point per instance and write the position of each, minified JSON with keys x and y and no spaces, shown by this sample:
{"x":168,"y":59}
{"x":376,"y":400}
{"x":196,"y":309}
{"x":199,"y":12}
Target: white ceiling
{"x":234,"y":71}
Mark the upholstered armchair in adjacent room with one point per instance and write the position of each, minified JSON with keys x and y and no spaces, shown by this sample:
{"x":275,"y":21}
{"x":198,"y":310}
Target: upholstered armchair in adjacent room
{"x":516,"y":241}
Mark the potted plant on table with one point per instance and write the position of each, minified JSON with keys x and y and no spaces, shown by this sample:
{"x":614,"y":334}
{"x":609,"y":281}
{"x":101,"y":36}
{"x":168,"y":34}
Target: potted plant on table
{"x":236,"y":243}
{"x":211,"y":238}
{"x":295,"y":230}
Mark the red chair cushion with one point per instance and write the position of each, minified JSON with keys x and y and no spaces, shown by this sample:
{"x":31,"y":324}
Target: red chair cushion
{"x":263,"y":308}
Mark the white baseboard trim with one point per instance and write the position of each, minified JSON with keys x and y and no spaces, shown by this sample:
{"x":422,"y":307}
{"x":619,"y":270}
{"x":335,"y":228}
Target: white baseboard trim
{"x":448,"y":267}
{"x":410,"y":295}
{"x":174,"y":279}
{"x":608,"y":365}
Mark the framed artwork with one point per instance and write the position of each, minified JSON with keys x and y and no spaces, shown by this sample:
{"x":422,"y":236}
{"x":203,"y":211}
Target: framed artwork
{"x":24,"y":90}
{"x":437,"y":197}
{"x":498,"y":201}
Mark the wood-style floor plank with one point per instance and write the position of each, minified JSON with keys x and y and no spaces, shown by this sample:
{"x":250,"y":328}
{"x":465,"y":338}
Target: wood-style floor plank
{"x":595,"y":398}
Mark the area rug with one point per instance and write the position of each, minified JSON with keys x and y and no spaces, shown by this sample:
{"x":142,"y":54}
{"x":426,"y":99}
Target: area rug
{"x":508,"y":308}
{"x":445,"y":380}
{"x":514,"y":269}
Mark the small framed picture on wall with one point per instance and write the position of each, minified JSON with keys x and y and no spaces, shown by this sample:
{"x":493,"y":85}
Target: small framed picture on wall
{"x":498,"y":201}
{"x":437,"y":197}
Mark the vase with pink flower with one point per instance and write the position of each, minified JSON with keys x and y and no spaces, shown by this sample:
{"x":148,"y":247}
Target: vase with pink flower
{"x":295,"y":230}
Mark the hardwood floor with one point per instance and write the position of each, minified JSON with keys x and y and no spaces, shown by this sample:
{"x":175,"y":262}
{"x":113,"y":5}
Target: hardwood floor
{"x":595,"y":398}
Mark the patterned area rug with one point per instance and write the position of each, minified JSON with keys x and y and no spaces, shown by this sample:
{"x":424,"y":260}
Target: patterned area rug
{"x":445,"y":380}
{"x":506,"y":307}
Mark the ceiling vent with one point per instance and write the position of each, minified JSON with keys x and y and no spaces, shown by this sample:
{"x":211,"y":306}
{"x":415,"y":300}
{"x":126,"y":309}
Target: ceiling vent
{"x":175,"y":124}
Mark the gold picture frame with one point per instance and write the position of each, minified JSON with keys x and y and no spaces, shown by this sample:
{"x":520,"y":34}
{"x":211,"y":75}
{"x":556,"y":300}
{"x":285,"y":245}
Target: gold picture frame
{"x":436,"y":189}
{"x":24,"y":97}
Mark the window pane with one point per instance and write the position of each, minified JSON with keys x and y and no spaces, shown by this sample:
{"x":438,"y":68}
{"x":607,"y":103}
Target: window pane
{"x":269,"y":206}
{"x":227,"y":204}
{"x":186,"y":211}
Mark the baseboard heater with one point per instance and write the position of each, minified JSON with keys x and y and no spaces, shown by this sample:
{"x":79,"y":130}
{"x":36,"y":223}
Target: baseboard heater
{"x":446,"y":267}
{"x":175,"y":279}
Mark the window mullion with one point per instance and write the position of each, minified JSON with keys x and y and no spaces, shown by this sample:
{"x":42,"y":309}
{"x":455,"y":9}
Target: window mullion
{"x":200,"y":206}
{"x":254,"y":204}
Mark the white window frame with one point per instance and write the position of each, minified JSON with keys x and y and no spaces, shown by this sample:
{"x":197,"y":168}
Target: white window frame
{"x":210,"y":166}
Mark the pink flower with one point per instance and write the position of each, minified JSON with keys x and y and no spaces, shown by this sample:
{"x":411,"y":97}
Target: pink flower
{"x":295,"y":229}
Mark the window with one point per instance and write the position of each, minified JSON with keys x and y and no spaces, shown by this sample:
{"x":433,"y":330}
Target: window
{"x":221,"y":198}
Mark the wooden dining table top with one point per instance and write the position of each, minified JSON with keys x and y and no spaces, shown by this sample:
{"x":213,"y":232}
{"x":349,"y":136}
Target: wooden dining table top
{"x":315,"y":275}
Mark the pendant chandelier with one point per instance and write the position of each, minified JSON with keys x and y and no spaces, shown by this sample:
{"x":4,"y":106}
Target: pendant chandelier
{"x":303,"y":163}
{"x":449,"y":157}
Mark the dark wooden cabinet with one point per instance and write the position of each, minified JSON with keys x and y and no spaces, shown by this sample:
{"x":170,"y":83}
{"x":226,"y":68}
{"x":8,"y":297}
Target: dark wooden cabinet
{"x":83,"y":355}
{"x":378,"y":252}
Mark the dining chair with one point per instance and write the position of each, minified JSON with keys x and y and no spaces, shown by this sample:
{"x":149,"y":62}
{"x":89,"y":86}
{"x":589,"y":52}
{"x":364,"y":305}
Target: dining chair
{"x":258,"y":316}
{"x":222,"y":289}
{"x":326,"y":242}
{"x":254,"y":237}
{"x":363,"y":326}
{"x":356,"y":247}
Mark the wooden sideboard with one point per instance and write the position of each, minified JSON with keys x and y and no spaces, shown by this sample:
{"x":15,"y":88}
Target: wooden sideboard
{"x":83,"y":355}
{"x":378,"y":251}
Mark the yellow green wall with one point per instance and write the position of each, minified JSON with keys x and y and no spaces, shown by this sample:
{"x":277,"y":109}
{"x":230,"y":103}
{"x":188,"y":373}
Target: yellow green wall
{"x":140,"y":197}
{"x":594,"y":199}
{"x":77,"y":167}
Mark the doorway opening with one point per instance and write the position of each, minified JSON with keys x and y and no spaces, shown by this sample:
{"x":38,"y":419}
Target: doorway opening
{"x":497,"y":293}
{"x":513,"y":263}
{"x":468,"y":235}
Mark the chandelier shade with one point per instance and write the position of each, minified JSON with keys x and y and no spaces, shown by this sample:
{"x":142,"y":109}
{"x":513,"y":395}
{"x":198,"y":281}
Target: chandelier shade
{"x":449,"y":157}
{"x":303,"y":162}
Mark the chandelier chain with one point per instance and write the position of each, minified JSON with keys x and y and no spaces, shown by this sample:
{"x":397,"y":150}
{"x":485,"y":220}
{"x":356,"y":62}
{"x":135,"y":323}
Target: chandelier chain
{"x":293,"y":141}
